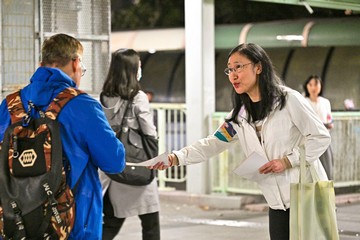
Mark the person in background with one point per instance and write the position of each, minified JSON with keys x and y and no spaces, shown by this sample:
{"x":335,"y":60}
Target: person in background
{"x":88,"y":141}
{"x":313,"y":87}
{"x":267,"y":118}
{"x":122,"y":200}
{"x":349,"y":104}
{"x":150,"y":95}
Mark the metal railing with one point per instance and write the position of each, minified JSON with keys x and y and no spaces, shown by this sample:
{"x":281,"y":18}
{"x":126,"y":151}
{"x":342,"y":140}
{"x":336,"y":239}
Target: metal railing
{"x":221,"y":167}
{"x":171,"y":119}
{"x":345,"y":141}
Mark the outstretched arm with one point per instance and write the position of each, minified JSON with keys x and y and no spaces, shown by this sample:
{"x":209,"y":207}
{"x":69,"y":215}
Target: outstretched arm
{"x":173,"y":161}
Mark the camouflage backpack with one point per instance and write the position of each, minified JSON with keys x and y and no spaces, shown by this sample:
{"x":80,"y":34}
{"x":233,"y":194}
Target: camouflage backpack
{"x":35,"y":200}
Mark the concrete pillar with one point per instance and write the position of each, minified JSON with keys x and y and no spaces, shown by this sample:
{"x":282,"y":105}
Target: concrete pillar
{"x":200,"y":83}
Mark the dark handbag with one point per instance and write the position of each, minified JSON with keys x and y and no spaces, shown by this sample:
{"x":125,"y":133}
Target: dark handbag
{"x":139,"y":147}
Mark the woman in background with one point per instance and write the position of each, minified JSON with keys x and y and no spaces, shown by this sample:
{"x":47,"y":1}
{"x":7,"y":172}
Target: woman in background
{"x":313,"y":93}
{"x":121,"y":200}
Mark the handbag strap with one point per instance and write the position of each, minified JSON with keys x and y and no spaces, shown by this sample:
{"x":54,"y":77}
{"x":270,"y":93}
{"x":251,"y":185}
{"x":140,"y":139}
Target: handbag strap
{"x":302,"y":165}
{"x":313,"y":172}
{"x":123,"y":120}
{"x":137,"y":117}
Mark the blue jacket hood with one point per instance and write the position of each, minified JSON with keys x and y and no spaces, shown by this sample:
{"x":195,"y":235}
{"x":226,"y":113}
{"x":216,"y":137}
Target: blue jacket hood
{"x":44,"y":85}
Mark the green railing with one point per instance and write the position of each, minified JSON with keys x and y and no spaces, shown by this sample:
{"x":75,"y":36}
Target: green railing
{"x":170,"y":120}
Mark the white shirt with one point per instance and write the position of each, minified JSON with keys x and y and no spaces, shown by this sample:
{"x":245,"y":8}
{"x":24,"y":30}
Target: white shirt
{"x":322,"y":108}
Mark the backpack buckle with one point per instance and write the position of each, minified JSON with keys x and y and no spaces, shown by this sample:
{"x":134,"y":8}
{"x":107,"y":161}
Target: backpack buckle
{"x":20,"y":234}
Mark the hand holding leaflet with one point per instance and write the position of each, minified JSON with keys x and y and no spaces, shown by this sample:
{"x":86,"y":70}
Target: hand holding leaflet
{"x":151,"y":162}
{"x":249,"y":169}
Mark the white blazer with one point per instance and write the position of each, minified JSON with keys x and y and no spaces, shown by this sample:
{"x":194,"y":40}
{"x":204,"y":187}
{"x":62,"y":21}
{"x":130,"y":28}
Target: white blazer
{"x":283,"y":131}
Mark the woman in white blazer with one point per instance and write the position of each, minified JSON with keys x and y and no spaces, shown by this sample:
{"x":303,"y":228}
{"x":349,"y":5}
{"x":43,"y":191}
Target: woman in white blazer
{"x":267,"y":118}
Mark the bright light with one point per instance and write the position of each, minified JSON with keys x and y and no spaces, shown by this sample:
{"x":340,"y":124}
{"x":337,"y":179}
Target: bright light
{"x":290,"y":37}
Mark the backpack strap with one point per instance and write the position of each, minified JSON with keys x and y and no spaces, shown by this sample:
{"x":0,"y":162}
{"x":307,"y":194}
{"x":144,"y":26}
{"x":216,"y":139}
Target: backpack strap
{"x":60,"y":101}
{"x":15,"y":107}
{"x":17,"y":111}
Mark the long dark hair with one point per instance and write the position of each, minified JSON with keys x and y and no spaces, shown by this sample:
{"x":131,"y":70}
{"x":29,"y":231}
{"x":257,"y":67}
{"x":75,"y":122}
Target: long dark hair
{"x":269,"y":83}
{"x":121,"y":80}
{"x":317,"y":79}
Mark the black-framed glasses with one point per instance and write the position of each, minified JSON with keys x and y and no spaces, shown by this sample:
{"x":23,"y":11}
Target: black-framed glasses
{"x":83,"y":68}
{"x":236,"y":69}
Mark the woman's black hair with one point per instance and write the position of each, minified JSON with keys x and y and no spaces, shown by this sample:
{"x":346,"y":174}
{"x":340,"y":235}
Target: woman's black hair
{"x":269,"y":84}
{"x":317,"y":79}
{"x":121,"y":80}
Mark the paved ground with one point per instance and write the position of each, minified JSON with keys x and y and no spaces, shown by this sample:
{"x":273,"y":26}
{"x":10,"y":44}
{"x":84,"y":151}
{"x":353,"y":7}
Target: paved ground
{"x":189,"y":217}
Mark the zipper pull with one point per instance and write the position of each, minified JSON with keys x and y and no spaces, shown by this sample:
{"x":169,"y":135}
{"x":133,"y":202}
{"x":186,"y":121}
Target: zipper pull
{"x":15,"y":147}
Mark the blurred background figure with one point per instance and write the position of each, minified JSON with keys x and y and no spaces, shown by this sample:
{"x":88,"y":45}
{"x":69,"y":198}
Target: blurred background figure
{"x":313,"y":93}
{"x":150,"y":95}
{"x":349,"y":104}
{"x":122,"y":200}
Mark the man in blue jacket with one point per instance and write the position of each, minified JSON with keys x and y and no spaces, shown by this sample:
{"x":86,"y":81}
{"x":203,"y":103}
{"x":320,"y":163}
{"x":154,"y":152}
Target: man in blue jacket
{"x":88,"y":141}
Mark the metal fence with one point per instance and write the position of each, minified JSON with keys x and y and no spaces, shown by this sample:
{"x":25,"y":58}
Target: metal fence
{"x":345,"y":145}
{"x":223,"y":180}
{"x":17,"y":45}
{"x":170,"y":119}
{"x":88,"y":21}
{"x":345,"y":141}
{"x":24,"y":24}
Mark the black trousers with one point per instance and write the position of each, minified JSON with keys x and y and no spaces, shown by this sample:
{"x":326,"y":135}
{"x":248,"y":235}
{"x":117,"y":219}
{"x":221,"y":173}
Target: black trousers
{"x":150,"y":223}
{"x":279,"y":222}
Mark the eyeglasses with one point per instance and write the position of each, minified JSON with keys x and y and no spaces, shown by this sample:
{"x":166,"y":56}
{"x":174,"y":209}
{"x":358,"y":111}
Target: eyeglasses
{"x":83,"y":68}
{"x":237,"y":68}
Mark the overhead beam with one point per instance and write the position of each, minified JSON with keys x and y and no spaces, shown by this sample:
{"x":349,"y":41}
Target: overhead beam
{"x":332,"y":4}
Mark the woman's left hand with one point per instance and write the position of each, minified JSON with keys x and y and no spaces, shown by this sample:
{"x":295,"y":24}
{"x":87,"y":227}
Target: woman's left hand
{"x":274,"y":166}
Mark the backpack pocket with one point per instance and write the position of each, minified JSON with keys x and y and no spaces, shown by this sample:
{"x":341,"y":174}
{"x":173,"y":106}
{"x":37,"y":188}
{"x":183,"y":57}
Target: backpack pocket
{"x":27,"y":153}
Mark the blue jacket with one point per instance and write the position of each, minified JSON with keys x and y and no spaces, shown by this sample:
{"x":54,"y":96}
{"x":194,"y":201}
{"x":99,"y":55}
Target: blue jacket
{"x":88,"y":142}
